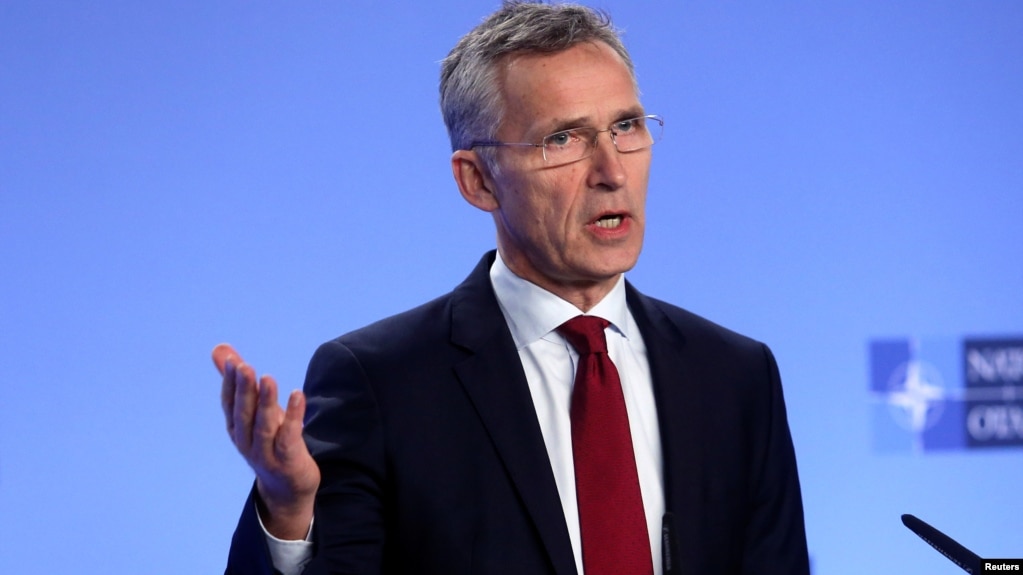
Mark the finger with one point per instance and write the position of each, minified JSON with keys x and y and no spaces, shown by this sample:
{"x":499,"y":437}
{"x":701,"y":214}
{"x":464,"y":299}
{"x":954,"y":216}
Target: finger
{"x":227,"y":393}
{"x":245,"y":404}
{"x":222,"y":353}
{"x":267,"y":422}
{"x":225,"y":358}
{"x":289,"y":437}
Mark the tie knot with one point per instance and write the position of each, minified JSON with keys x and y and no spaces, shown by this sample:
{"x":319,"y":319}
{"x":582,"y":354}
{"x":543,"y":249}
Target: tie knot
{"x":585,"y":333}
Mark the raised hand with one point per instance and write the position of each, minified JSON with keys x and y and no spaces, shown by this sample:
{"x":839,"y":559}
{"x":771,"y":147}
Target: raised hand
{"x":270,"y":440}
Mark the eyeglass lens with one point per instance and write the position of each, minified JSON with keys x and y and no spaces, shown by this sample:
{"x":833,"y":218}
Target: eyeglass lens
{"x":628,"y":136}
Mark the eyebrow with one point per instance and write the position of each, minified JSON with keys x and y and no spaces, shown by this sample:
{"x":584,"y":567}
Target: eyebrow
{"x":560,"y":125}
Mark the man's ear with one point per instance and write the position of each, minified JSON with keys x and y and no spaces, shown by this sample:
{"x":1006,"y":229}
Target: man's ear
{"x":473,"y":180}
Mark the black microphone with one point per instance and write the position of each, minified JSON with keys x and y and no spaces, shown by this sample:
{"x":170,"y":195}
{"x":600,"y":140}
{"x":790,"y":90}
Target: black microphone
{"x":669,"y":545}
{"x":961,"y":556}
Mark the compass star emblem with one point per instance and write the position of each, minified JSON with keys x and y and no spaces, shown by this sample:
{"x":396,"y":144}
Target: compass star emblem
{"x":916,"y":396}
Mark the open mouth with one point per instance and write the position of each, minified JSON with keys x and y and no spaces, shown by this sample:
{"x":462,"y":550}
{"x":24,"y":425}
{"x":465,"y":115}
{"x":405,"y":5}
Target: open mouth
{"x":609,"y":221}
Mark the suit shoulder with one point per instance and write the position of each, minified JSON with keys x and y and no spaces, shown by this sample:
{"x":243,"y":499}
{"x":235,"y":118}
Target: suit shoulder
{"x":425,"y":322}
{"x":696,"y":328}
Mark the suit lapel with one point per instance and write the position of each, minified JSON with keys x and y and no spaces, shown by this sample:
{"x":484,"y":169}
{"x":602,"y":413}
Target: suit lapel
{"x":493,"y":378}
{"x":679,"y":414}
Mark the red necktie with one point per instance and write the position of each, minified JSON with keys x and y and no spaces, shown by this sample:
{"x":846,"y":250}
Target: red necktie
{"x":611,"y":518}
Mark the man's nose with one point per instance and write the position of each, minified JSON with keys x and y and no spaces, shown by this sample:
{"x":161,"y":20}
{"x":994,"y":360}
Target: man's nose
{"x":608,"y":172}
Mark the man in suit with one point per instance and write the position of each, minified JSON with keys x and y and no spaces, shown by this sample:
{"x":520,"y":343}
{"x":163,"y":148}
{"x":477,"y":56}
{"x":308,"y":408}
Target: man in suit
{"x":448,"y":440}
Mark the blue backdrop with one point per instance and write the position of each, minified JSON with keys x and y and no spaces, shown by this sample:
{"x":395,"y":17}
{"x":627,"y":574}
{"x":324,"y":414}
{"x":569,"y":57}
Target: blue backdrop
{"x":173,"y":175}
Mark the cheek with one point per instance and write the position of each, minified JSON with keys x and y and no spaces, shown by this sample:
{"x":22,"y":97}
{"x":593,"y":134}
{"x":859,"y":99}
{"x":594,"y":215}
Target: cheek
{"x":562,"y":194}
{"x":540,"y":200}
{"x":525,"y":210}
{"x":543,"y":204}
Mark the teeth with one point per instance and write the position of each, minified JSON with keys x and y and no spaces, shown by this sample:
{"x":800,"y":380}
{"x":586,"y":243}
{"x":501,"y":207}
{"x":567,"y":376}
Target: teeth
{"x":610,"y":222}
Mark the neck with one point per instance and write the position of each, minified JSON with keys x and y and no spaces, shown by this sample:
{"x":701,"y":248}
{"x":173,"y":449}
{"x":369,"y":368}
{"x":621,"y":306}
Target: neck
{"x":584,"y":295}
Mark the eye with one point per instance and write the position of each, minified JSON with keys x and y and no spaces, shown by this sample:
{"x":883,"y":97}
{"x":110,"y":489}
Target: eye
{"x":625,"y":126}
{"x":560,"y":139}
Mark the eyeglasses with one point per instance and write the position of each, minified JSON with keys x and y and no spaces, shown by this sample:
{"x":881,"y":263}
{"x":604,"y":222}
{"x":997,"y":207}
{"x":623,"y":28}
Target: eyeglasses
{"x":572,"y":145}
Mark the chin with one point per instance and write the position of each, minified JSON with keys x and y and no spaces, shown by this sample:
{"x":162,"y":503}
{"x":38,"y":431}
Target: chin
{"x":611,"y":268}
{"x":619,"y":263}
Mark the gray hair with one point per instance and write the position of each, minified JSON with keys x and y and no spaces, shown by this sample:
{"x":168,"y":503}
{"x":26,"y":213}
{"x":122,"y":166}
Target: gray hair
{"x":470,"y":96}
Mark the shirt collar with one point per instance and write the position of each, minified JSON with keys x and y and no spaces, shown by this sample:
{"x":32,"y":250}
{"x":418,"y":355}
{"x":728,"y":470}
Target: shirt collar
{"x":533,"y":312}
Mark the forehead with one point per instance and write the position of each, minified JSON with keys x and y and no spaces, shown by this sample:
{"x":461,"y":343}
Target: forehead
{"x":586,"y":83}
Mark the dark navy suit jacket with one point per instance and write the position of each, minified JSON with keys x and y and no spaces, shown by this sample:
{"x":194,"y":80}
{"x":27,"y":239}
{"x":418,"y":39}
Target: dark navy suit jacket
{"x":433,"y":461}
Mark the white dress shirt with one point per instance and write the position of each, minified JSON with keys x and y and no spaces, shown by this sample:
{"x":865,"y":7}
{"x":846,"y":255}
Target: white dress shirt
{"x":533,"y":314}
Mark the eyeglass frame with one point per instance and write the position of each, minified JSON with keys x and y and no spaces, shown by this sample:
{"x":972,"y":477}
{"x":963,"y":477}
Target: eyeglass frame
{"x":592,"y":145}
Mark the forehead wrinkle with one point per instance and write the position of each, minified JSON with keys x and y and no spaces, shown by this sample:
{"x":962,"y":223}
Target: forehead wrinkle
{"x":535,"y":125}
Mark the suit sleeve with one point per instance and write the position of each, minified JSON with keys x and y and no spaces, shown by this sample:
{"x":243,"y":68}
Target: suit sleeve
{"x":775,"y":532}
{"x":249,"y":554}
{"x":343,"y":433}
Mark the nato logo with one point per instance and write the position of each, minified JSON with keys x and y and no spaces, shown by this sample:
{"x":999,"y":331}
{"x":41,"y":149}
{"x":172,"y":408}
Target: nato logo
{"x":943,"y":394}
